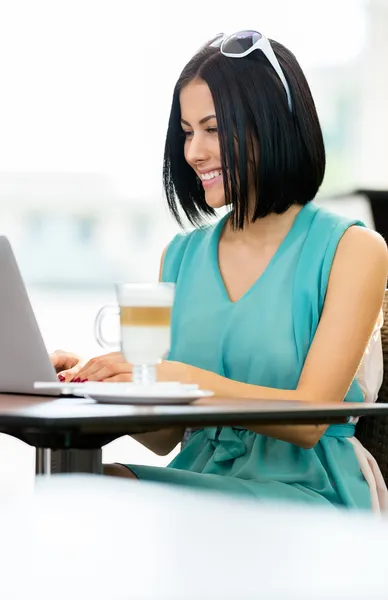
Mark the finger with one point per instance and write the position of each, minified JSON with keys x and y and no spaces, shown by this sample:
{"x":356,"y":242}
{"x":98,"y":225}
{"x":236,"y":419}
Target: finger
{"x":92,"y":366}
{"x":126,"y":377}
{"x":54,"y":359}
{"x":102,"y":359}
{"x":69,"y":362}
{"x":63,"y":361}
{"x":68,"y":374}
{"x":58,"y":360}
{"x":108,"y":370}
{"x":111,"y":370}
{"x":116,"y":355}
{"x":95,"y":365}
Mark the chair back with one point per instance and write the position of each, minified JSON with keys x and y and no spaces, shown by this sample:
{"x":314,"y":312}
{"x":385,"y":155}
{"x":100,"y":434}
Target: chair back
{"x":373,"y":431}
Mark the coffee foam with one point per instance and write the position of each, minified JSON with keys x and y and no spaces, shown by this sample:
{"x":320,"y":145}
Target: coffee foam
{"x":146,"y":294}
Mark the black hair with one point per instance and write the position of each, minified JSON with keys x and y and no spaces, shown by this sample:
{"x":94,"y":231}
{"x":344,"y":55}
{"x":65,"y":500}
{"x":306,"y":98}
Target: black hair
{"x":251,"y":107}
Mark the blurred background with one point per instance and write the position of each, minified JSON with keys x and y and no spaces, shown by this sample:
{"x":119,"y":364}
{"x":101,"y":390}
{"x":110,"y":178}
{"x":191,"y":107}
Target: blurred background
{"x":86,"y":92}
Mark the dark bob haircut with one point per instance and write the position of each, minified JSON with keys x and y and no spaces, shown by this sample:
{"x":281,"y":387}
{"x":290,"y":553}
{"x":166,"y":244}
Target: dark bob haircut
{"x":286,"y":147}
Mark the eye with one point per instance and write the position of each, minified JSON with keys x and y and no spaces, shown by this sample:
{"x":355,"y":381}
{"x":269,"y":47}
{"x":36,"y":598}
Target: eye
{"x":212,"y":130}
{"x":187,"y":134}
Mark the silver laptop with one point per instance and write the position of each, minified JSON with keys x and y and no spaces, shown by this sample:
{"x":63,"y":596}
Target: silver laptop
{"x":23,"y":355}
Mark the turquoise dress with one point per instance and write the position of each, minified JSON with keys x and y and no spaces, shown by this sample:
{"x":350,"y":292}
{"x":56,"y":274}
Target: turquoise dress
{"x":262,"y":339}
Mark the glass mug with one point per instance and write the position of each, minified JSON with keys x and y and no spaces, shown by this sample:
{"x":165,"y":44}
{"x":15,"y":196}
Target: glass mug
{"x":145,"y":326}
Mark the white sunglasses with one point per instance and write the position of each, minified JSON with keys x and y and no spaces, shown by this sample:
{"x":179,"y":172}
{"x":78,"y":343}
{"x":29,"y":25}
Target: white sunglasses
{"x":242,"y":43}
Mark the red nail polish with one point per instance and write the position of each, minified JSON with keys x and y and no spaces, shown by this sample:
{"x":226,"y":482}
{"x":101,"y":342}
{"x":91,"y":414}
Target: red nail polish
{"x":61,"y":377}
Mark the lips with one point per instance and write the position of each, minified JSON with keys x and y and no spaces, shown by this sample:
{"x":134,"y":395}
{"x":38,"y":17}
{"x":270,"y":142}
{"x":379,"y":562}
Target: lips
{"x":212,"y":181}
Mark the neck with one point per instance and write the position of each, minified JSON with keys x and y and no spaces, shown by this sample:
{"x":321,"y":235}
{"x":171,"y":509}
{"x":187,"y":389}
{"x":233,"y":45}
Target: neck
{"x":268,"y":230}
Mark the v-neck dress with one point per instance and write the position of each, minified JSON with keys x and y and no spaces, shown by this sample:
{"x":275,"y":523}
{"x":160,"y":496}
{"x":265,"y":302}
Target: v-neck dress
{"x":261,"y":339}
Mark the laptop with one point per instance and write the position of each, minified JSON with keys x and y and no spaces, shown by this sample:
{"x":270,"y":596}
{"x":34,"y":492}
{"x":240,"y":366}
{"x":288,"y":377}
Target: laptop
{"x":23,"y":355}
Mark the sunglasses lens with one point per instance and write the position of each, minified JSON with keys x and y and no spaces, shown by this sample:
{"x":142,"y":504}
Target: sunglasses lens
{"x":240,"y":42}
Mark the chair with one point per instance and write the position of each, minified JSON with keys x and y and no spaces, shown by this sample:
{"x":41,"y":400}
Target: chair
{"x":372,"y":432}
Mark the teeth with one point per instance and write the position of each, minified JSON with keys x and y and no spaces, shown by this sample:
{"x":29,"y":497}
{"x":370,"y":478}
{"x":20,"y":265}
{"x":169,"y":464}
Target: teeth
{"x":211,"y":175}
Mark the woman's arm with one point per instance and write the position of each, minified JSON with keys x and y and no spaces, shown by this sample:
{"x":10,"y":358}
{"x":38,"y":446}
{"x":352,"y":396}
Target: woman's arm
{"x":354,"y":298}
{"x":163,"y":441}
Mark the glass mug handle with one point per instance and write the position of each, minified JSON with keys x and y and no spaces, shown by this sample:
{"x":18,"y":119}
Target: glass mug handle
{"x":141,"y":374}
{"x":102,"y":313}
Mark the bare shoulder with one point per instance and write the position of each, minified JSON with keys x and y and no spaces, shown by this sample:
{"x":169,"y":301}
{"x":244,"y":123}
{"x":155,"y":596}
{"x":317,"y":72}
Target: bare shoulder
{"x":361,"y":247}
{"x":163,"y":254}
{"x":162,"y":263}
{"x":360,"y":239}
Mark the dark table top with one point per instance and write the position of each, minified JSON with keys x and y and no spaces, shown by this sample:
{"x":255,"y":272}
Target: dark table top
{"x":75,"y":422}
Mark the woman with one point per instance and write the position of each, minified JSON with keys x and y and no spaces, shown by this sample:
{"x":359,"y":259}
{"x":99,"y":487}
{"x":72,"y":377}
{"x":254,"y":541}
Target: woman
{"x":277,"y":300}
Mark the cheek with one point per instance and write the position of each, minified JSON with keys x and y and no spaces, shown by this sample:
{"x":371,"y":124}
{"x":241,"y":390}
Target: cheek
{"x":216,"y":150}
{"x":186,"y":149}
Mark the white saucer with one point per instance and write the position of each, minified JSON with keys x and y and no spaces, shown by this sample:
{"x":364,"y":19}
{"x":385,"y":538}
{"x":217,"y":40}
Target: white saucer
{"x":130,"y":393}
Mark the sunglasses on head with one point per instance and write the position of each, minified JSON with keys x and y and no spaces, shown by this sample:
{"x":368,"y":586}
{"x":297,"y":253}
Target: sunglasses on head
{"x":242,"y":43}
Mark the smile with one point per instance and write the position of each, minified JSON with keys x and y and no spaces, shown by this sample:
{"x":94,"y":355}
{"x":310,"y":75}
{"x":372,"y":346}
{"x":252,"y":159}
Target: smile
{"x":211,"y":178}
{"x":210,"y":175}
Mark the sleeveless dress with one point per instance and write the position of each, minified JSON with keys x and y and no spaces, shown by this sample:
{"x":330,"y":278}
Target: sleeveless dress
{"x":262,"y":339}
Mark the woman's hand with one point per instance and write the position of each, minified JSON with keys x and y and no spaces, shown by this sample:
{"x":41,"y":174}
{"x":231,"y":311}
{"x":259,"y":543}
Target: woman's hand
{"x":113,"y":367}
{"x":107,"y":367}
{"x":66,"y":364}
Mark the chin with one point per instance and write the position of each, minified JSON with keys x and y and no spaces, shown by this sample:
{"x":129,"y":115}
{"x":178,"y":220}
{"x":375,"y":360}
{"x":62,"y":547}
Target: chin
{"x":215,"y":200}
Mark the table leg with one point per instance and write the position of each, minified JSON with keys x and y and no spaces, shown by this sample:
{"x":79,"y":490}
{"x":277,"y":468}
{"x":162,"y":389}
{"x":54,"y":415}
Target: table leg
{"x":49,"y":462}
{"x":43,"y":461}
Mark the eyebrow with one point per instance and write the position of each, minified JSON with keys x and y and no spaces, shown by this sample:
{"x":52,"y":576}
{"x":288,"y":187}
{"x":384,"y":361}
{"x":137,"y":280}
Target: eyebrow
{"x":202,"y":121}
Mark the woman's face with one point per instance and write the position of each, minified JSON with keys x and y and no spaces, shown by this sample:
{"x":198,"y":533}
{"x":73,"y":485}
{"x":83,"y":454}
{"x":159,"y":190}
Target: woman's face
{"x":202,"y":149}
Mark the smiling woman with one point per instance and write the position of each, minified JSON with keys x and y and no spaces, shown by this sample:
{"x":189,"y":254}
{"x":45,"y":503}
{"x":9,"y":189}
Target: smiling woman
{"x":200,"y":137}
{"x":268,"y":155}
{"x":277,"y":300}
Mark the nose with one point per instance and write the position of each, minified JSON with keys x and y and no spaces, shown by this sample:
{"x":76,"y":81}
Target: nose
{"x":196,"y":150}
